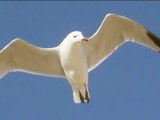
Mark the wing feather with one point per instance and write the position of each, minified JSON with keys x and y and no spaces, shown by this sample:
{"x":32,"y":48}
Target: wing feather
{"x":20,"y":55}
{"x":113,"y":32}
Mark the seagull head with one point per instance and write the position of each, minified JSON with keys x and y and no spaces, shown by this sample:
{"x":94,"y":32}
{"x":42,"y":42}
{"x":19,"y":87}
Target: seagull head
{"x":76,"y":36}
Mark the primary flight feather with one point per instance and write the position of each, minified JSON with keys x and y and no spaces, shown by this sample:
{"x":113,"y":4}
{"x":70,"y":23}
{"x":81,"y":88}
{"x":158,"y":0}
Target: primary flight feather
{"x":76,"y":55}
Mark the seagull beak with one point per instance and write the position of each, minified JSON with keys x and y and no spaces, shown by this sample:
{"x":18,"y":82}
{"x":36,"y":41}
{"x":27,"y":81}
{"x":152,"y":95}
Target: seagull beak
{"x":85,"y":39}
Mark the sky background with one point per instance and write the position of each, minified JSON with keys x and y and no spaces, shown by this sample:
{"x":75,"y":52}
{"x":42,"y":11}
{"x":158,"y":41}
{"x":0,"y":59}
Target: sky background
{"x":126,"y":86}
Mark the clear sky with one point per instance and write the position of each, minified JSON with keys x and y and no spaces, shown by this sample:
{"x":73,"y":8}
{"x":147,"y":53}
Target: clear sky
{"x":124,"y":87}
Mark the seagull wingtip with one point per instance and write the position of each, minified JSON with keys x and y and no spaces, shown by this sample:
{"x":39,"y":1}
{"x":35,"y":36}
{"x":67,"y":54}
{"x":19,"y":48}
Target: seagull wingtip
{"x":153,"y":37}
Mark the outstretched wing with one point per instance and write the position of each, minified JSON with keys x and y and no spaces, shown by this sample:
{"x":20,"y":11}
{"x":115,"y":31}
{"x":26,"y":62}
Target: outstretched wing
{"x":20,"y":55}
{"x":113,"y":32}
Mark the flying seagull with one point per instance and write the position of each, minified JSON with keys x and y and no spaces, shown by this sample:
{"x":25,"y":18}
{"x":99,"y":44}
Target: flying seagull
{"x":76,"y":55}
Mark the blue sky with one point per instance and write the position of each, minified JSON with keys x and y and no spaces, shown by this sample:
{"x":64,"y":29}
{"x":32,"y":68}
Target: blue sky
{"x":124,"y":87}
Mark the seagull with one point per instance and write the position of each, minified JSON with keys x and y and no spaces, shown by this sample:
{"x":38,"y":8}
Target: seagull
{"x":76,"y":55}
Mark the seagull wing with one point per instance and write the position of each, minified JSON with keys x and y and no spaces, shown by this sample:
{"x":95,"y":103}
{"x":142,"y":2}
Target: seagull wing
{"x":20,"y":55}
{"x":113,"y":32}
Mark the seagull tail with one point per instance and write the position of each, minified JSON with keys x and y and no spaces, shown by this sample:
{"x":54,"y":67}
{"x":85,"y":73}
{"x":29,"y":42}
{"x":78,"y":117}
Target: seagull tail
{"x":81,"y":94}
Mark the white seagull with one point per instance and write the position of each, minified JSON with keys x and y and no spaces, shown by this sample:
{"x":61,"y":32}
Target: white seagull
{"x":76,"y":55}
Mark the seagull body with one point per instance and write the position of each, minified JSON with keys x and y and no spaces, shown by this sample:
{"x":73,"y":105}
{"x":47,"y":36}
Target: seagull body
{"x":74,"y":62}
{"x":76,"y":55}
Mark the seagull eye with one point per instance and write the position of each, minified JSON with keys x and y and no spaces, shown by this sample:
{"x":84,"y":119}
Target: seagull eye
{"x":74,"y":36}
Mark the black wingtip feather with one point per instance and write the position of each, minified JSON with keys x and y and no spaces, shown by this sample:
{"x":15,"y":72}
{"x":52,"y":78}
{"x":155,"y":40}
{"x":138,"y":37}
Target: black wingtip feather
{"x":153,"y":37}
